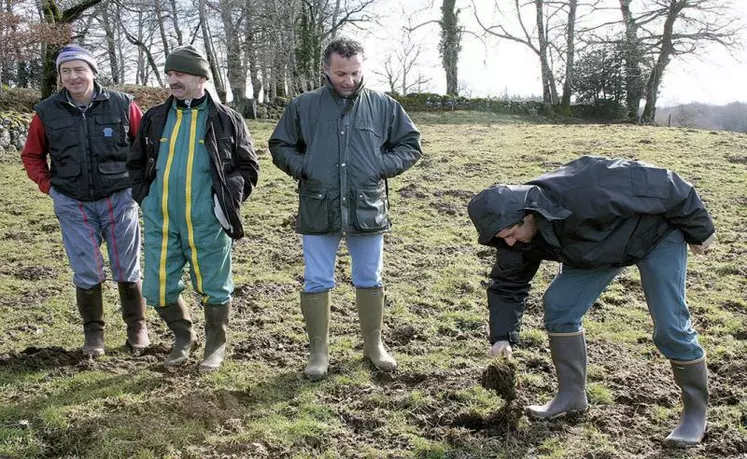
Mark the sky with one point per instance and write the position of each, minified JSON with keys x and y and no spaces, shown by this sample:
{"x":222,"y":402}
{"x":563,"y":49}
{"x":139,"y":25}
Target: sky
{"x":488,"y":67}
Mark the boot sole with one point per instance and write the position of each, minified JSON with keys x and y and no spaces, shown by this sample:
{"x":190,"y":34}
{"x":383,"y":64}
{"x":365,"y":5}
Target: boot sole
{"x":557,"y":415}
{"x":93,"y":352}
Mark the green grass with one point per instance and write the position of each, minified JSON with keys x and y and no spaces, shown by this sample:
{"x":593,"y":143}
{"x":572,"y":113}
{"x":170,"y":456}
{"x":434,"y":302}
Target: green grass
{"x":55,"y":404}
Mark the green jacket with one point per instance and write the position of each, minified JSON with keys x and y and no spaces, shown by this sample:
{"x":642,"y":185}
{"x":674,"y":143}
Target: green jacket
{"x":342,"y":150}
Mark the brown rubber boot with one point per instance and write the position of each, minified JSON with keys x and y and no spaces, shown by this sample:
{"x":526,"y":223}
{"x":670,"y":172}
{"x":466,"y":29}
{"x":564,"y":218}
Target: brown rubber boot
{"x":216,"y":325}
{"x":370,"y":302}
{"x":133,"y":314}
{"x":91,"y":307}
{"x":177,"y":317}
{"x":315,"y":308}
{"x":692,"y":379}
{"x":568,"y":351}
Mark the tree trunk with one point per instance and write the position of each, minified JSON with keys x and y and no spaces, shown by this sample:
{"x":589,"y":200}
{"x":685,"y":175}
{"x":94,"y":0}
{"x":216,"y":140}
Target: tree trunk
{"x":450,"y":45}
{"x":251,"y":60}
{"x":665,"y":55}
{"x":565,"y":104}
{"x":632,"y":56}
{"x":120,"y":44}
{"x":148,"y":56}
{"x":547,"y":79}
{"x":175,"y":20}
{"x":234,"y":70}
{"x":111,"y":47}
{"x":161,"y":28}
{"x":220,"y":88}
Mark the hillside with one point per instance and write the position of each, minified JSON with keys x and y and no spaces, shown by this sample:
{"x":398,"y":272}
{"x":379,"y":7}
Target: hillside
{"x":731,"y":117}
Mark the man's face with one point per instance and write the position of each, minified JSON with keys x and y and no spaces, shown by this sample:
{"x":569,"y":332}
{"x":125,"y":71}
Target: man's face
{"x":521,"y":232}
{"x":77,"y":77}
{"x":185,"y":86}
{"x":345,"y":73}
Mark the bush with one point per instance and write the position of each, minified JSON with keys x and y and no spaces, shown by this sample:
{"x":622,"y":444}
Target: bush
{"x":20,"y":100}
{"x":145,"y":96}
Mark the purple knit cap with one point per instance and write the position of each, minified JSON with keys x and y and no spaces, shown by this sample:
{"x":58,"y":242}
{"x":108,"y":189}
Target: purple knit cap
{"x":76,"y":53}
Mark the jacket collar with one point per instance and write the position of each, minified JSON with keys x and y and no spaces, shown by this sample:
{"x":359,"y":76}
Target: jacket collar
{"x":100,"y":93}
{"x":331,"y":87}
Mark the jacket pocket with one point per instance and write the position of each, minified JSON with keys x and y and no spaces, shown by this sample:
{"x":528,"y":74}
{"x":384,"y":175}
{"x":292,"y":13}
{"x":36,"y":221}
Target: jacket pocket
{"x":113,"y":168}
{"x":370,"y":209}
{"x":68,"y":170}
{"x":109,"y":132}
{"x":59,"y":128}
{"x":371,"y":144}
{"x":650,"y":182}
{"x":313,"y":214}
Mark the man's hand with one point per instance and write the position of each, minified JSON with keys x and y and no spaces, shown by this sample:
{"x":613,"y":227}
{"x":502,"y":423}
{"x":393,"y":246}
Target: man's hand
{"x":501,"y":349}
{"x":701,"y":248}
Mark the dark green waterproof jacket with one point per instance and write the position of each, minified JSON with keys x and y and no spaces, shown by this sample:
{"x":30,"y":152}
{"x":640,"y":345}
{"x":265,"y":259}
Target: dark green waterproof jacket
{"x":342,"y":150}
{"x":591,"y":213}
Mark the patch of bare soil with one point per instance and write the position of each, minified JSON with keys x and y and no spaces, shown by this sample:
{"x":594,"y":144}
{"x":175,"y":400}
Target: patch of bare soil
{"x":276,"y":351}
{"x":412,"y":191}
{"x":34,"y":273}
{"x":448,"y":208}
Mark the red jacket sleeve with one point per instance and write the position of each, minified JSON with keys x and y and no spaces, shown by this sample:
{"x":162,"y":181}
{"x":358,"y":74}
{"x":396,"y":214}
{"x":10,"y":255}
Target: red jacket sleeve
{"x":135,"y":116}
{"x":34,"y":155}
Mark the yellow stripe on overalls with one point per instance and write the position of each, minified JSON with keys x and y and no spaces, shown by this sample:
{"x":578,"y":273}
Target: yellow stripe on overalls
{"x":190,"y":229}
{"x":165,"y":211}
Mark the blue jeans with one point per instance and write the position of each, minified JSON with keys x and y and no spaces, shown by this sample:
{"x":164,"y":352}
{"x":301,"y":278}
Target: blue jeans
{"x":320,"y":256}
{"x":663,"y":270}
{"x":85,"y":225}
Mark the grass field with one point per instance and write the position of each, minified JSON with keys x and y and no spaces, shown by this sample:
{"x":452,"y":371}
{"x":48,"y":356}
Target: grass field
{"x":54,"y":403}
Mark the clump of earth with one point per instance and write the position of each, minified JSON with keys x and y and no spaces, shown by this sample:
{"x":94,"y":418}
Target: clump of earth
{"x":500,"y":377}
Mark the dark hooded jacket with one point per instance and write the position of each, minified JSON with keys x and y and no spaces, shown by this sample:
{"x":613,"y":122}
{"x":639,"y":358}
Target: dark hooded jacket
{"x":591,"y":213}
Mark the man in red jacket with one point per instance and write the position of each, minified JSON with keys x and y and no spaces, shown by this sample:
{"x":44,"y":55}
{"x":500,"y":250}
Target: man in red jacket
{"x":76,"y":152}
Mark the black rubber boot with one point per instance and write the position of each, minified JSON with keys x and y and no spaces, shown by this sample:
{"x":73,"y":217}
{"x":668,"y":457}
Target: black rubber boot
{"x":216,"y":326}
{"x":177,"y":317}
{"x":91,"y":307}
{"x":133,"y":314}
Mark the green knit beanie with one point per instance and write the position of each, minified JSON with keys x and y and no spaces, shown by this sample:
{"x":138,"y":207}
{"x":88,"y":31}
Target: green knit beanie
{"x":188,"y":59}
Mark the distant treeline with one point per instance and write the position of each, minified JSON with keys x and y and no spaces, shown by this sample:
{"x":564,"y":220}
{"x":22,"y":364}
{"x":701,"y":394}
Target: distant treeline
{"x":731,"y":117}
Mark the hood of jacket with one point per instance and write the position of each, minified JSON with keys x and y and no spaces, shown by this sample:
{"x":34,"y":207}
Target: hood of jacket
{"x":501,"y":206}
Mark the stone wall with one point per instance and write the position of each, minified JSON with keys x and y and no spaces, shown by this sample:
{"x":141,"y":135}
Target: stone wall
{"x":13,"y":129}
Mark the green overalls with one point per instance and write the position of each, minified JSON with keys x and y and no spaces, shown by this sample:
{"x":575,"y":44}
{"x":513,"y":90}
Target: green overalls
{"x":180,"y":225}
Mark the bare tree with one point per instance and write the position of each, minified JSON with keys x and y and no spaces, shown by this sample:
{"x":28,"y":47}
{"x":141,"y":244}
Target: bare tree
{"x":400,"y":65}
{"x":106,"y":23}
{"x":688,"y":25}
{"x":535,"y":39}
{"x":450,"y":44}
{"x":210,"y":53}
{"x":565,"y":103}
{"x":633,"y":53}
{"x":232,"y":14}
